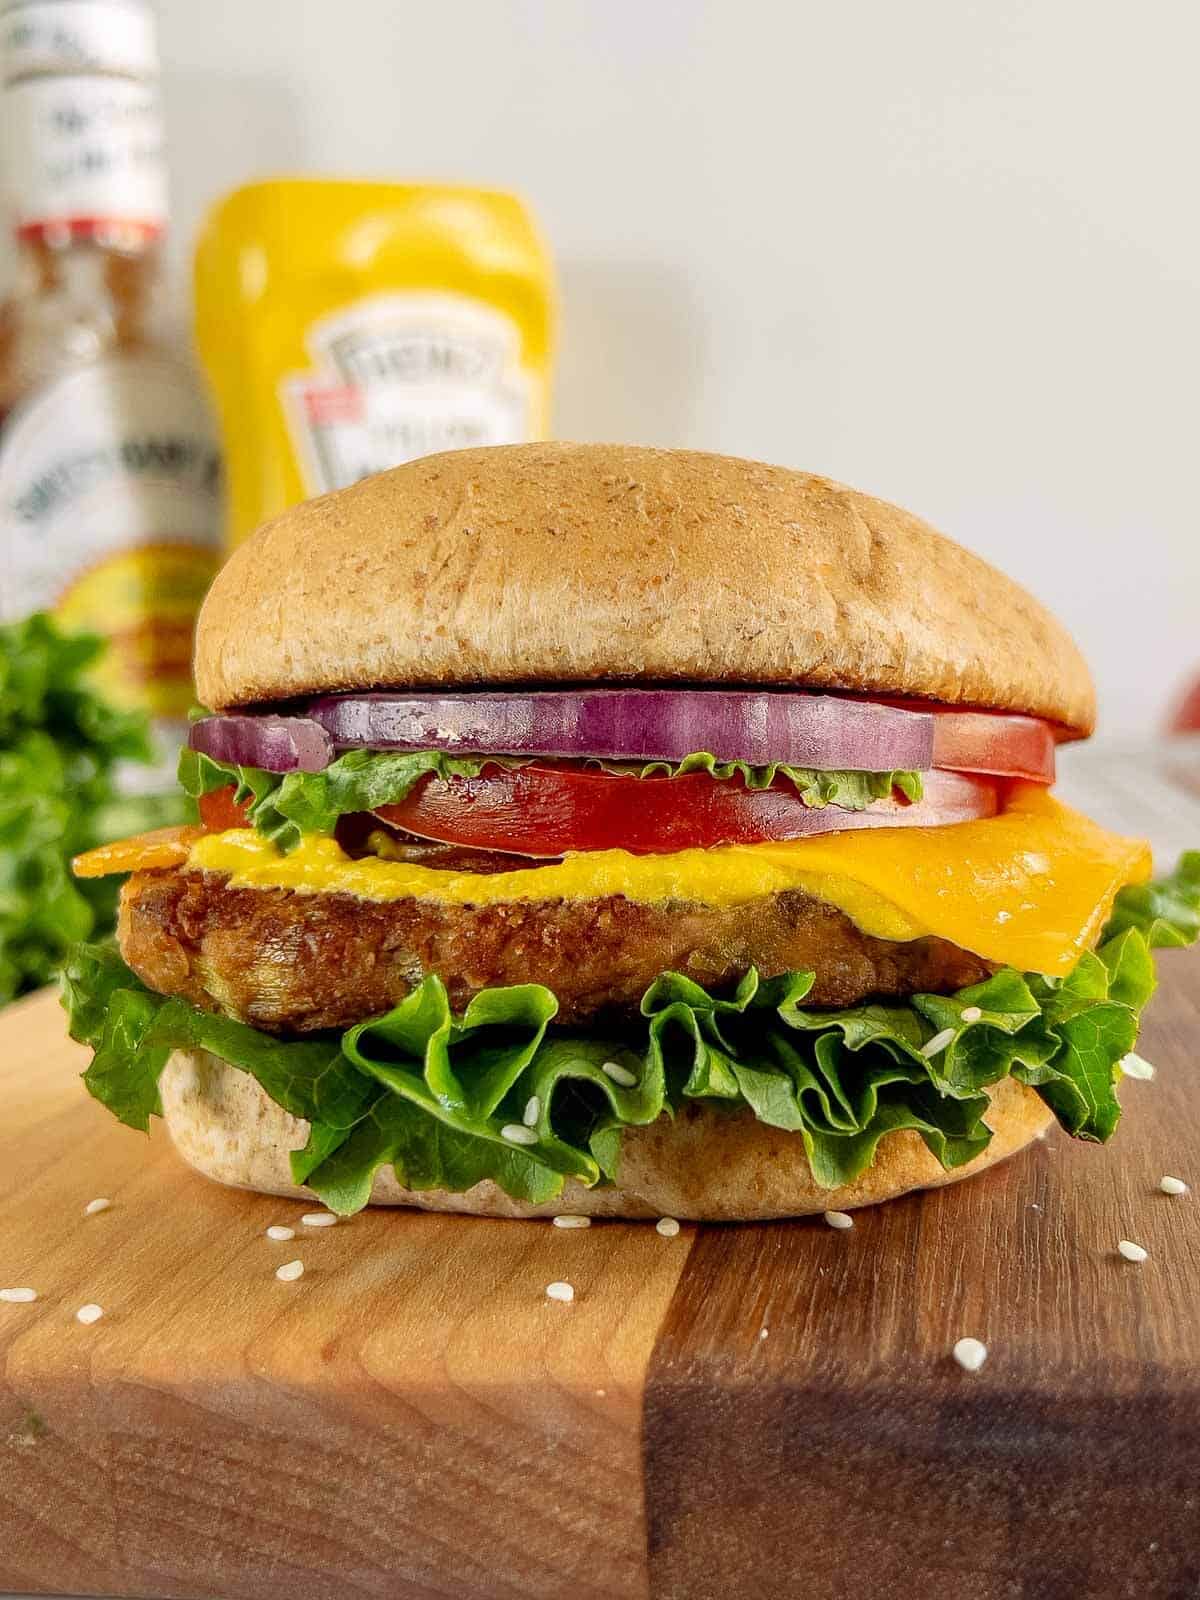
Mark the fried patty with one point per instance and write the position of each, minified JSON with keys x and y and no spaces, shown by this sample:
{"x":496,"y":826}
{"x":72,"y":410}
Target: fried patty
{"x":294,"y":962}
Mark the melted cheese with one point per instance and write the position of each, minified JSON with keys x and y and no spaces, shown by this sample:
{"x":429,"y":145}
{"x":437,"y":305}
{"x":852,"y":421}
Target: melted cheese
{"x":162,"y":847}
{"x":1030,"y":888}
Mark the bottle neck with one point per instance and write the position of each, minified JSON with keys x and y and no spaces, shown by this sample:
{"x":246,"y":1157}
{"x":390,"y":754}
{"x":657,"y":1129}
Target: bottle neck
{"x":51,"y":249}
{"x":81,"y":298}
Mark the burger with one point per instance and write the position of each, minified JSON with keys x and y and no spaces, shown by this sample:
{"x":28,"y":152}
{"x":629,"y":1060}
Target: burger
{"x":616,"y":831}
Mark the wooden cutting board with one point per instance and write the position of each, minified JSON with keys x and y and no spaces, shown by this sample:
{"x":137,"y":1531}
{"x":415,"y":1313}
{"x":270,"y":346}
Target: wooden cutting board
{"x":739,"y":1411}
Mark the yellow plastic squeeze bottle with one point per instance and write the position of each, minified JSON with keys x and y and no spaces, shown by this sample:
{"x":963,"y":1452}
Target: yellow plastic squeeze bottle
{"x":346,"y":327}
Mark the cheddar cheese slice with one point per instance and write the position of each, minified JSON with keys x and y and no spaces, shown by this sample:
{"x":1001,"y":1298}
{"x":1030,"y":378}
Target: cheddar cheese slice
{"x":161,"y":847}
{"x":1030,"y":888}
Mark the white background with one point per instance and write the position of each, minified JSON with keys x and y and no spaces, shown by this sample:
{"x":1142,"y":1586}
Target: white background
{"x":945,"y":250}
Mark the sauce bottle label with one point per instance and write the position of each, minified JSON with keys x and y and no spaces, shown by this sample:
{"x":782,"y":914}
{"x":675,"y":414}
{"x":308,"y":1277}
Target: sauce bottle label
{"x":83,"y":155}
{"x":404,"y":375}
{"x":109,"y":514}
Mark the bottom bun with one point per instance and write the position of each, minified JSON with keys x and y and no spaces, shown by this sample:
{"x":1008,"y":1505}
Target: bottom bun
{"x":706,"y":1165}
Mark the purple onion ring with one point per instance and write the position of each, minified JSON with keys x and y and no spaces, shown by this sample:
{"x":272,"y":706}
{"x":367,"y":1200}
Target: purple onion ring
{"x":754,"y":726}
{"x":276,"y":744}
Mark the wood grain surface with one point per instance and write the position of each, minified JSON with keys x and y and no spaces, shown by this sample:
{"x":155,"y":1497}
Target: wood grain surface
{"x":413,"y":1418}
{"x":846,"y":1450}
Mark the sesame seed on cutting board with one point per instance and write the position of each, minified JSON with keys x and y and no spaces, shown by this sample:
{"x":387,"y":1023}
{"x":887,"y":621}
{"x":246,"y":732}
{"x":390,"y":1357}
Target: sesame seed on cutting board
{"x":970,"y":1354}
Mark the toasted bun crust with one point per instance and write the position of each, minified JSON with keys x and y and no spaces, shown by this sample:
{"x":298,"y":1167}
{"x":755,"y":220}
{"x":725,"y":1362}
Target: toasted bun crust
{"x":705,"y":1166}
{"x":567,"y":563}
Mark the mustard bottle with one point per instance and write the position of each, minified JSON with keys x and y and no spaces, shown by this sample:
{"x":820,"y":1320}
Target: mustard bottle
{"x":347,"y":327}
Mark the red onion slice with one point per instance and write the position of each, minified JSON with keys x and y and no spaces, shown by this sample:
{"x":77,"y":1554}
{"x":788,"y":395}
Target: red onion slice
{"x":276,"y":744}
{"x":758,"y":727}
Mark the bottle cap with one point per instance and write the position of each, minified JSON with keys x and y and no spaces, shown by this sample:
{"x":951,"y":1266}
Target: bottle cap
{"x":77,"y":36}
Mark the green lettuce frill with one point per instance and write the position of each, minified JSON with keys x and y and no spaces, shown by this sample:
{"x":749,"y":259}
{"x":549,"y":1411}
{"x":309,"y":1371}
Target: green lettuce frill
{"x":500,"y":1092}
{"x":284,"y":807}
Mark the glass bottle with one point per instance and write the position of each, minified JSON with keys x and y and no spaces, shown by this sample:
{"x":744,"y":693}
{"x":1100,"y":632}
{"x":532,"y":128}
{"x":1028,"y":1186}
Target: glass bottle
{"x":109,"y":474}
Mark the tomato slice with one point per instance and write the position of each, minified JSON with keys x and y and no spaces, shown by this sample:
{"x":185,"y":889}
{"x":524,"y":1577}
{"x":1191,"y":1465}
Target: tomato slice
{"x":219,"y":810}
{"x":549,"y":811}
{"x":985,"y":742}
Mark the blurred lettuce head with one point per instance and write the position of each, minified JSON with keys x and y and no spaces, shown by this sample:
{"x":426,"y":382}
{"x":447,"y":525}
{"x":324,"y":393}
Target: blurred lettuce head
{"x":60,"y":746}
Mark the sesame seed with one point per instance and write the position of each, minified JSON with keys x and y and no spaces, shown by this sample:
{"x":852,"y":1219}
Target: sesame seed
{"x":94,"y":1207}
{"x":572,"y":1222}
{"x":559,"y":1291}
{"x":1172,"y":1186}
{"x":1131,"y":1251}
{"x":18,"y":1296}
{"x":278,"y":1231}
{"x":89,"y":1314}
{"x":839,"y":1219}
{"x":938,"y":1043}
{"x":619,"y":1074}
{"x":290,"y":1271}
{"x":763,"y":1332}
{"x":1134,"y":1067}
{"x":971,"y":1013}
{"x":318,"y":1219}
{"x":667,"y":1226}
{"x":516,"y":1134}
{"x":533,"y":1110}
{"x":600,"y":1393}
{"x":970,"y":1354}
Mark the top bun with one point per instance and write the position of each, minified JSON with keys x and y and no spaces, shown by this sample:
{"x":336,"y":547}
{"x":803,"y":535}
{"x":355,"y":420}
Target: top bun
{"x":544,"y":564}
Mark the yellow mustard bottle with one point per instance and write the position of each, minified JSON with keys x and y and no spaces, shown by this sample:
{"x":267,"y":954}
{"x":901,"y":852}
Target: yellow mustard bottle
{"x":347,"y":327}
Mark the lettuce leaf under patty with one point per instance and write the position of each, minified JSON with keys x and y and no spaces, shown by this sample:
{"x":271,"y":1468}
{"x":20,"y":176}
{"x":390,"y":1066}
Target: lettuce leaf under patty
{"x":500,"y":1092}
{"x":285,"y":806}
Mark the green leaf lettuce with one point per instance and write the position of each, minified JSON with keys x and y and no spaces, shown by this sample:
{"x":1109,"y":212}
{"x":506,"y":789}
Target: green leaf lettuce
{"x":285,"y":807}
{"x":500,"y":1092}
{"x":60,"y":744}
